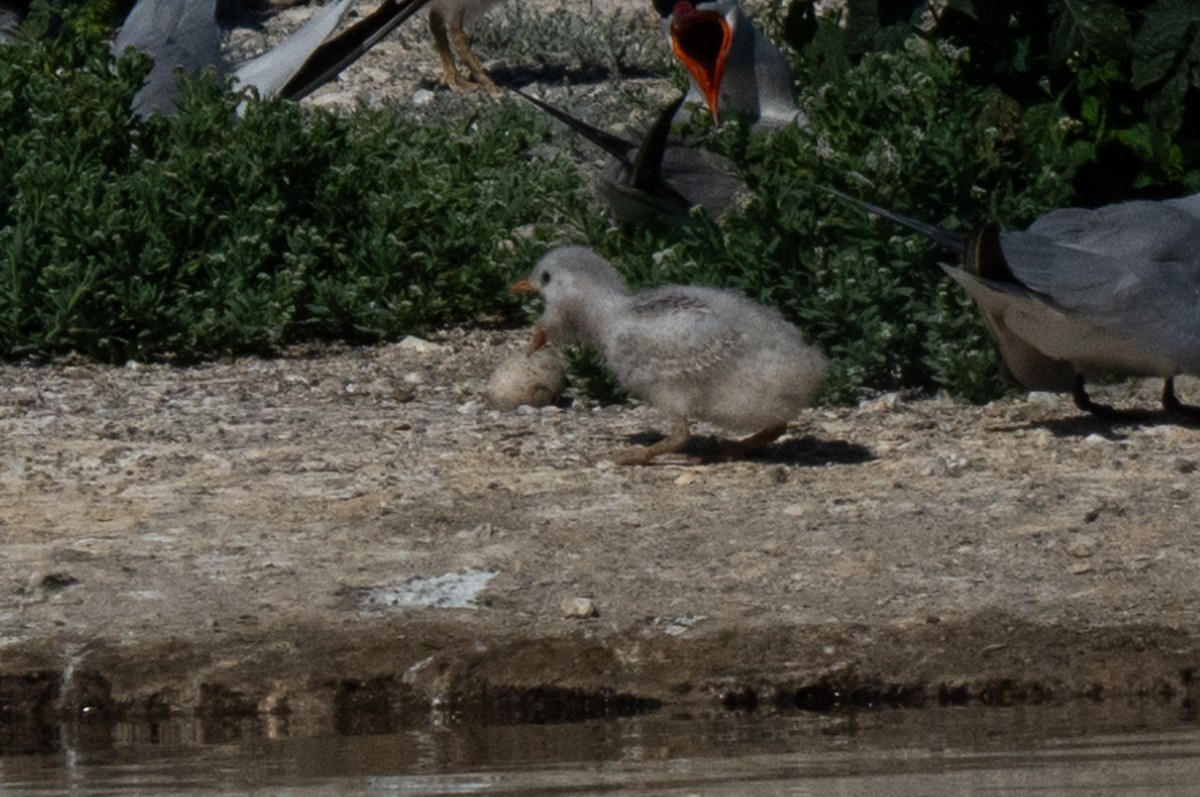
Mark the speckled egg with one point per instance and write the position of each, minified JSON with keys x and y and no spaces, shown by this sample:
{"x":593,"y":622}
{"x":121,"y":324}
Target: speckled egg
{"x":536,"y":379}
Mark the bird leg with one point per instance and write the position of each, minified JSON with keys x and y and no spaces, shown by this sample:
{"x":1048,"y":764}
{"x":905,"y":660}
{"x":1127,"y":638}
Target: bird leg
{"x":464,"y":51}
{"x":441,"y":41}
{"x":732,"y":449}
{"x":1084,"y":402}
{"x":1171,"y":403}
{"x":642,"y":455}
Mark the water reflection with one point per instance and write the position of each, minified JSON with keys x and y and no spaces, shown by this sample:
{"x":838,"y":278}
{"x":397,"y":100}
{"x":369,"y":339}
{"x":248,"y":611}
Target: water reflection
{"x":1087,"y":749}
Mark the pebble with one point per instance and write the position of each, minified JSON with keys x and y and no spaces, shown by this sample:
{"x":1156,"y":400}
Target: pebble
{"x":1043,"y":398}
{"x":1082,"y":547}
{"x":417,"y":345}
{"x":333,"y":99}
{"x":579,"y":608}
{"x":1080,"y":569}
{"x":884,"y":403}
{"x":421,"y":97}
{"x":374,"y":74}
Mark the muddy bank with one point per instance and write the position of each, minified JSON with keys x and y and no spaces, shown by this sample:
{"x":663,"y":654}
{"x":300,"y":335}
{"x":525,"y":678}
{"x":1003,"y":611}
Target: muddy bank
{"x":354,"y":530}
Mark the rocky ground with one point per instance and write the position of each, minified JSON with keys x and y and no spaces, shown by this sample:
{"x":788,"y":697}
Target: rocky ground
{"x":281,"y":535}
{"x":338,"y":531}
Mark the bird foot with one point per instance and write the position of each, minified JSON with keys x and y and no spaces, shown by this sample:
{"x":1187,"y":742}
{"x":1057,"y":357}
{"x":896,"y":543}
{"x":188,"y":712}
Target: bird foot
{"x":484,"y":81}
{"x":1180,"y":410}
{"x":733,"y":449}
{"x":459,"y":83}
{"x":644,"y":455}
{"x":1083,"y":401}
{"x":640,"y":455}
{"x":1174,"y":407}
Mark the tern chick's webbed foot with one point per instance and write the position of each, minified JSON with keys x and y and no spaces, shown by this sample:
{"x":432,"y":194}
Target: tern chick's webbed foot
{"x":692,"y":352}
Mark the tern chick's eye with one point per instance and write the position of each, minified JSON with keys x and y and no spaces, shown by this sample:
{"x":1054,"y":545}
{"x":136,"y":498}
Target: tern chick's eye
{"x":545,"y":277}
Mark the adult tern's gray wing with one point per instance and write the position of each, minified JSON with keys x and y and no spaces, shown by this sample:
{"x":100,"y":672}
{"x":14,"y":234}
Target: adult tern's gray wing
{"x":682,"y":174}
{"x":177,"y":34}
{"x":653,"y":178}
{"x":271,"y":71}
{"x":1132,"y":270}
{"x":1188,"y":204}
{"x":12,"y":14}
{"x":703,"y":178}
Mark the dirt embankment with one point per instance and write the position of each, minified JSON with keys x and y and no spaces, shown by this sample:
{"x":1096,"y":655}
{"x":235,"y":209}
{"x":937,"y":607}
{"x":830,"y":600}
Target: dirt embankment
{"x":318,"y":534}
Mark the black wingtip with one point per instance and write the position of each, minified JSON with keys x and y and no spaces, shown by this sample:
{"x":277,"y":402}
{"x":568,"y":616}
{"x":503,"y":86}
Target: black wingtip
{"x":342,"y":50}
{"x":648,"y":165}
{"x":940,"y":235}
{"x":615,"y":146}
{"x":983,"y":255}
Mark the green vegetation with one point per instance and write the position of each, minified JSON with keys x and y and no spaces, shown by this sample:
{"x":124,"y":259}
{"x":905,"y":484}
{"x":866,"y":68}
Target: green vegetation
{"x":203,"y":233}
{"x":206,"y":233}
{"x":1106,"y":92}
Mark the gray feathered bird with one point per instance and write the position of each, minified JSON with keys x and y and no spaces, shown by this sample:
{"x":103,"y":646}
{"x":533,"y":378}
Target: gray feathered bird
{"x":1084,"y":294}
{"x":695,"y":353}
{"x":656,"y":180}
{"x":12,"y":15}
{"x":183,"y":35}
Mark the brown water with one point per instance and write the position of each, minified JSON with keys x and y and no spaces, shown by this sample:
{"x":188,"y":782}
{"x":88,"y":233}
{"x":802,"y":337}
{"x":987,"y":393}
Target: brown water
{"x":1080,"y":750}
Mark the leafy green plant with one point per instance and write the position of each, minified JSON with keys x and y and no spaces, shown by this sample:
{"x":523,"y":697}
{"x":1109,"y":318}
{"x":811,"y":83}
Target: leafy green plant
{"x":206,"y":233}
{"x":1106,"y":92}
{"x":590,"y":377}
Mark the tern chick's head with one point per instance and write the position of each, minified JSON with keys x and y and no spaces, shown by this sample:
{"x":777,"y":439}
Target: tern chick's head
{"x":579,"y":288}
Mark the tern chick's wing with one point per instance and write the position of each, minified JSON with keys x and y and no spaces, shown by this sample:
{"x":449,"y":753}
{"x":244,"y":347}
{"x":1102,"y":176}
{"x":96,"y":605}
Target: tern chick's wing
{"x":714,"y":355}
{"x":672,"y":334}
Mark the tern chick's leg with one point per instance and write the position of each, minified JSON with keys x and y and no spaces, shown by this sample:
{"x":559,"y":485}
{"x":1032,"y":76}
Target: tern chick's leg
{"x":732,"y":449}
{"x":642,"y":455}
